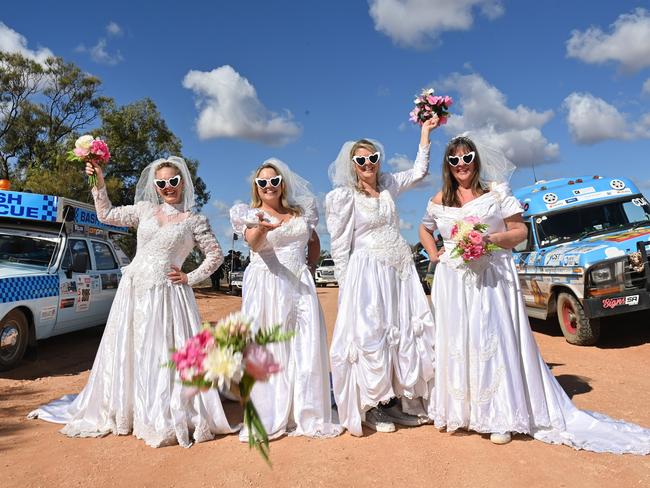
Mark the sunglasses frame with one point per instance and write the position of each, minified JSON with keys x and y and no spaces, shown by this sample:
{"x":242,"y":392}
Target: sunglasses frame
{"x":377,"y":153}
{"x":267,"y":181}
{"x":461,"y":159}
{"x":168,"y":182}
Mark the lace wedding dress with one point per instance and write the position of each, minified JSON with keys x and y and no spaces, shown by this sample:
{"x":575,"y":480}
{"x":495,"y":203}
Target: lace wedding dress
{"x":382,"y":345}
{"x":129,"y":388}
{"x":489,"y":375}
{"x":279,"y":289}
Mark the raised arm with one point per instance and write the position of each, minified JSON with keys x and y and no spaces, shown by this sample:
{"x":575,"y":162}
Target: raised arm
{"x":404,"y":180}
{"x":127,"y":215}
{"x":339,"y":214}
{"x":207,"y":242}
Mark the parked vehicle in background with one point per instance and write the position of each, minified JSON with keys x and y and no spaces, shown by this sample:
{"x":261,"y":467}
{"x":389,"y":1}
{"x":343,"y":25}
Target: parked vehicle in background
{"x":236,"y":280}
{"x":324,"y":274}
{"x":59,"y":270}
{"x":586,"y":255}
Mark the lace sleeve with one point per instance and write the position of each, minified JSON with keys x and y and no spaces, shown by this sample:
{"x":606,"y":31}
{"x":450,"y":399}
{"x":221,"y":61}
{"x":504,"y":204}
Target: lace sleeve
{"x":509,"y":204}
{"x":406,"y":179}
{"x":339,"y":215}
{"x":311,"y":214}
{"x":127,"y":215}
{"x":243,"y":217}
{"x":207,"y":242}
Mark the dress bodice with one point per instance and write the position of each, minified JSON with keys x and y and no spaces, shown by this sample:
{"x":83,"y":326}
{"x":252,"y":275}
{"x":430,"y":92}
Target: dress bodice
{"x":285,"y":246}
{"x":165,"y":237}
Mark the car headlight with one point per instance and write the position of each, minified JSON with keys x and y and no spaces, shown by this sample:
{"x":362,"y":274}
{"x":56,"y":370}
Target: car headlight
{"x":607,"y":273}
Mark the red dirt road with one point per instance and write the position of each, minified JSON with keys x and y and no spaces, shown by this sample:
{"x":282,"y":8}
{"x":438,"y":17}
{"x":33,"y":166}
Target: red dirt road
{"x":611,"y":378}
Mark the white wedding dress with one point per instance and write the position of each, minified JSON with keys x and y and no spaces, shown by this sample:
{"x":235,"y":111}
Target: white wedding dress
{"x":279,"y":289}
{"x":489,"y":375}
{"x":129,"y":388}
{"x":383,"y":338}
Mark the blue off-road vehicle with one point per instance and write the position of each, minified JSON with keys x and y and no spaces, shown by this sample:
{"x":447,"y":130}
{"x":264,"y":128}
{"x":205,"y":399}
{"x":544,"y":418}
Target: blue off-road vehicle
{"x":586,"y":255}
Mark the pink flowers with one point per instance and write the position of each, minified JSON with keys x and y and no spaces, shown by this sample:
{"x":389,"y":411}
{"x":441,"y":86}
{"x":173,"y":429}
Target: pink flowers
{"x":259,"y":363}
{"x":90,"y":150}
{"x":469,"y":235}
{"x":189,"y":359}
{"x":426,"y":105}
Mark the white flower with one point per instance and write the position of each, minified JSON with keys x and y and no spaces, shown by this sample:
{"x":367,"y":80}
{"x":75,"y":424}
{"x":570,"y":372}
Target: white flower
{"x":223,"y":366}
{"x":429,"y":91}
{"x":84,"y":142}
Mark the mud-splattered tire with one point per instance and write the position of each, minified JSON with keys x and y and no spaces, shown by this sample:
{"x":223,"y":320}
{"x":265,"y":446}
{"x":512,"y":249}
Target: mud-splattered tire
{"x":575,"y":325}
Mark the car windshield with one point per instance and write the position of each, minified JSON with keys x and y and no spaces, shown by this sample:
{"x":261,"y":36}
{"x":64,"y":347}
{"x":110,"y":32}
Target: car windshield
{"x":327,"y":262}
{"x":579,"y":222}
{"x":26,"y":249}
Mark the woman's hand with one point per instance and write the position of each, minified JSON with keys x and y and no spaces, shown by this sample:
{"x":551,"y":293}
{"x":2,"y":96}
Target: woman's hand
{"x":93,"y":169}
{"x":427,"y":126}
{"x":263,"y":226}
{"x":177,"y":277}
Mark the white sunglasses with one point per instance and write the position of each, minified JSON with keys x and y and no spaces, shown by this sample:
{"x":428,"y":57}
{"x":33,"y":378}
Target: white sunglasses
{"x":466,"y":159}
{"x":361,"y":160}
{"x":173,"y":182}
{"x":274,"y":182}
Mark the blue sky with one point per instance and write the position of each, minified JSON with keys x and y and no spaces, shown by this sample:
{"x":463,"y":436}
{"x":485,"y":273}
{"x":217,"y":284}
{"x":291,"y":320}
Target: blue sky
{"x":561,"y":85}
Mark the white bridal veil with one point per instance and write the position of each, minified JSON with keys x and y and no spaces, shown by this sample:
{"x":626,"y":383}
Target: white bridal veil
{"x":145,"y":190}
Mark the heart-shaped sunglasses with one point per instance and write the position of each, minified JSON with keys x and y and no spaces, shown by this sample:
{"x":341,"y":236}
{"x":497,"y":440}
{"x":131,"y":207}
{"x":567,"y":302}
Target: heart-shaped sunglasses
{"x":263,"y":182}
{"x":173,"y":182}
{"x":466,"y":159}
{"x":361,"y":160}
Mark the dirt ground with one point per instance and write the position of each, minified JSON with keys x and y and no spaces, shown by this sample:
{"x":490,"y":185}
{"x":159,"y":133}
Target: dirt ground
{"x":611,"y":378}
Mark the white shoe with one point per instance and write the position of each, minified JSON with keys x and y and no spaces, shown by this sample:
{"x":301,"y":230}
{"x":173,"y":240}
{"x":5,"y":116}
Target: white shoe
{"x":377,"y":420}
{"x":500,"y":438}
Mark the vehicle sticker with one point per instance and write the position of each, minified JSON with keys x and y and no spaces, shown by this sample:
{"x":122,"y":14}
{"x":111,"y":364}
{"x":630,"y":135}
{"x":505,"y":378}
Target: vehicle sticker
{"x":110,"y":281}
{"x":84,"y":283}
{"x":571,"y":260}
{"x":48,"y":313}
{"x":614,"y":252}
{"x":67,"y":302}
{"x":639,"y":202}
{"x":69,"y":288}
{"x":96,"y":284}
{"x":624,"y":236}
{"x":617,"y":184}
{"x":549,"y":198}
{"x":584,"y":191}
{"x":587,"y":197}
{"x":620,"y":301}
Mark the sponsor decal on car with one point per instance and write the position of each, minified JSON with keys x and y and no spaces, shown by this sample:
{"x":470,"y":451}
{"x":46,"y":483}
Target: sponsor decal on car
{"x":628,"y":301}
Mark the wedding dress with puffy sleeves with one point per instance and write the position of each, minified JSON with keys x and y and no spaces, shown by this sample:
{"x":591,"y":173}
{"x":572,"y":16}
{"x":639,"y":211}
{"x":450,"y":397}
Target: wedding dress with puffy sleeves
{"x":129,"y":388}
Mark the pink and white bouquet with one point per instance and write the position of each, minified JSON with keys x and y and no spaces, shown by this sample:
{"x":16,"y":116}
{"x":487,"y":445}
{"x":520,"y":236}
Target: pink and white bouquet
{"x":227,"y":353}
{"x":427,"y":104}
{"x":469,"y":236}
{"x":88,"y":149}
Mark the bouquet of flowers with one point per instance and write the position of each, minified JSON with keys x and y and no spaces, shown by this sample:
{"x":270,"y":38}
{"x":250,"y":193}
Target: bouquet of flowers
{"x":468,"y":234}
{"x":227,"y":352}
{"x":426,"y":104}
{"x":88,"y":149}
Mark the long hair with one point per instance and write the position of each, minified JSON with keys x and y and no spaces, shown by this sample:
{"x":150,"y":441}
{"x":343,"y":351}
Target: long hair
{"x":363,"y":144}
{"x":256,"y":202}
{"x":449,"y":183}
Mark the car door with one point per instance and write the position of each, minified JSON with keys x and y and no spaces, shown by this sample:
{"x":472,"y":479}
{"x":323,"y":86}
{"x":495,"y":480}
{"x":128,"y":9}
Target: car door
{"x":75,"y":293}
{"x":107,"y":269}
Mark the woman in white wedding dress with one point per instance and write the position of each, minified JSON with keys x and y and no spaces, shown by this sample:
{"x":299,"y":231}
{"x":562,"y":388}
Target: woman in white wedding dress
{"x":490,"y":376}
{"x":382,"y":343}
{"x":129,"y":388}
{"x":278,"y":288}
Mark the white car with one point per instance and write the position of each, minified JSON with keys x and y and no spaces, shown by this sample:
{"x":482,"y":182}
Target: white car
{"x":325,"y":273}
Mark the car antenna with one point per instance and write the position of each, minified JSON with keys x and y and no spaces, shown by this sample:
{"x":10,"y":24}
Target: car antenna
{"x":58,"y":238}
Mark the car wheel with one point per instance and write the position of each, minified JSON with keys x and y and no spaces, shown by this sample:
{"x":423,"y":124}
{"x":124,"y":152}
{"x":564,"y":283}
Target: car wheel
{"x":575,"y":325}
{"x":14,"y":336}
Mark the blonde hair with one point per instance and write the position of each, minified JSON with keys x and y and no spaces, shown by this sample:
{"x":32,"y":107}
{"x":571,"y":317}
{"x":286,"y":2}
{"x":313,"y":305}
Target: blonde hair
{"x":256,"y":202}
{"x":167,"y":164}
{"x":362,"y":144}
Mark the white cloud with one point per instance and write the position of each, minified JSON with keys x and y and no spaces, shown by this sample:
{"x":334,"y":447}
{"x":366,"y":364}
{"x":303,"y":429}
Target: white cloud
{"x":627,"y":43}
{"x":114,"y":29}
{"x":486,"y":115}
{"x":13,"y":42}
{"x":401,"y":162}
{"x":592,"y":119}
{"x":223,"y":209}
{"x":229,"y":108}
{"x":416,"y":22}
{"x":645,"y":90}
{"x":404,"y":225}
{"x":99,"y":54}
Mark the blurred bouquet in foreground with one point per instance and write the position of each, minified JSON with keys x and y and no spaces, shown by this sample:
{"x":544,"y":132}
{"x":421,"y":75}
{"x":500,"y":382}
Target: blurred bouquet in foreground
{"x":227,"y":352}
{"x":427,"y":104}
{"x":88,"y":149}
{"x":469,"y":236}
